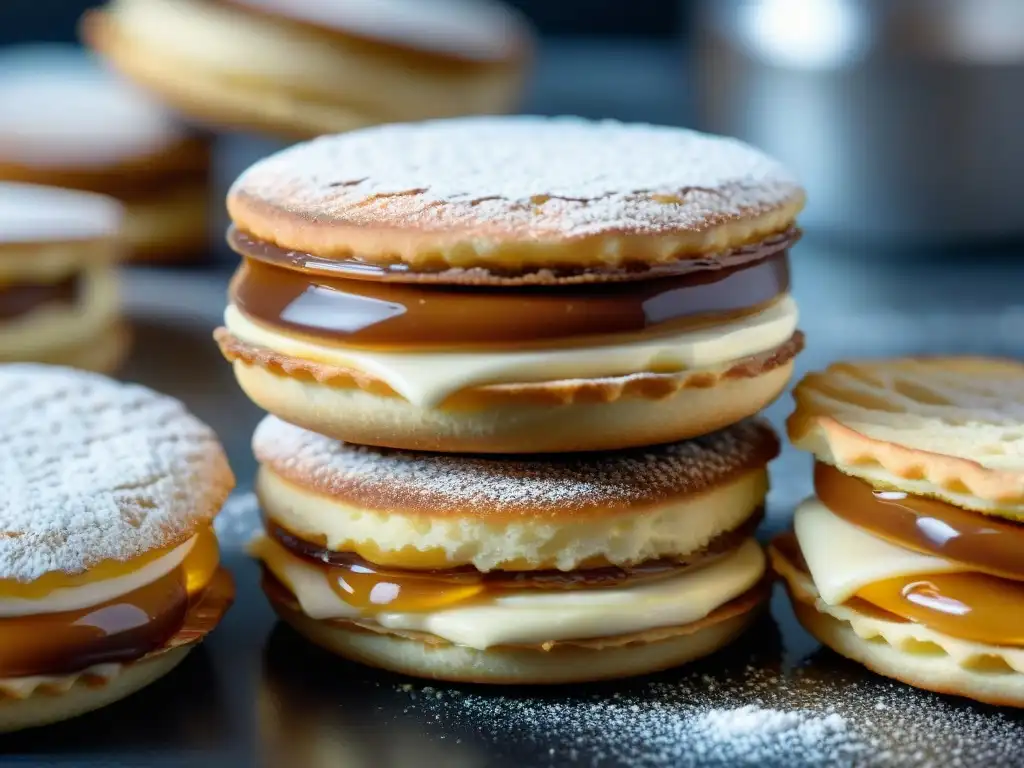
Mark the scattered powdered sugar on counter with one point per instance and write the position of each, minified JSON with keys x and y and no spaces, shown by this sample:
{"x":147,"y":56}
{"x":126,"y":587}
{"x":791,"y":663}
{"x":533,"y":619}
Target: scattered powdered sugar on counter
{"x":824,"y":712}
{"x":753,"y":731}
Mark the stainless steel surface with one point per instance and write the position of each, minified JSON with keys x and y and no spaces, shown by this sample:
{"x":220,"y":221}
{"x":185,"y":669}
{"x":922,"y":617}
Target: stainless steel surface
{"x":903,"y":117}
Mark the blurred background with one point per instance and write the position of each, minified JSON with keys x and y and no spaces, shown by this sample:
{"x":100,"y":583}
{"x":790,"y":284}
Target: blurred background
{"x":903,"y":117}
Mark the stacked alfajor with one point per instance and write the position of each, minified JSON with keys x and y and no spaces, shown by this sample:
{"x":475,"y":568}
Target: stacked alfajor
{"x":109,"y":567}
{"x":907,"y":558}
{"x":59,"y":301}
{"x":301,"y":68}
{"x":119,"y":143}
{"x":534,"y":301}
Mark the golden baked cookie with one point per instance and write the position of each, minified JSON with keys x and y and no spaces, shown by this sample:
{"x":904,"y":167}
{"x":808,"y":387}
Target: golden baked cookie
{"x":301,"y":68}
{"x":58,"y":288}
{"x":903,"y":559}
{"x":452,"y":566}
{"x":118,"y":142}
{"x":110,"y":492}
{"x":513,"y":285}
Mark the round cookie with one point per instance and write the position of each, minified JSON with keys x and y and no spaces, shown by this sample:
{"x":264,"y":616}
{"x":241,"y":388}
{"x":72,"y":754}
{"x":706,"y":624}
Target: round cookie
{"x":120,"y":143}
{"x":453,"y":567}
{"x":58,"y":290}
{"x":301,"y":69}
{"x":683,"y":235}
{"x":110,"y":494}
{"x":900,"y":561}
{"x":428,"y":510}
{"x":948,"y":428}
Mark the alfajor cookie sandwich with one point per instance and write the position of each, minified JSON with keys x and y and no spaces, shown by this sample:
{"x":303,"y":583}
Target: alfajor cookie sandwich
{"x":301,"y":68}
{"x":58,"y":288}
{"x":513,"y":285}
{"x":907,"y":558}
{"x":116,"y":142}
{"x":109,"y":569}
{"x":556,"y":569}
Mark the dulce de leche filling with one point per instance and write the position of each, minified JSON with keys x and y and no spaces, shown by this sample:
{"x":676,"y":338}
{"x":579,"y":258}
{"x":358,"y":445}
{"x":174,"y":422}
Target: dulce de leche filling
{"x":370,"y":587}
{"x":985,"y":606}
{"x":21,"y":298}
{"x":379,"y":314}
{"x":122,"y":629}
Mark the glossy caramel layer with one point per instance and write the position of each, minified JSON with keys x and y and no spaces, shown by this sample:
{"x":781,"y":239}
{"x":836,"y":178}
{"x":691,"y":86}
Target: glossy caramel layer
{"x":970,"y":606}
{"x":356,"y":313}
{"x":119,"y":630}
{"x":991,"y":545}
{"x":371,"y":587}
{"x":22,"y":298}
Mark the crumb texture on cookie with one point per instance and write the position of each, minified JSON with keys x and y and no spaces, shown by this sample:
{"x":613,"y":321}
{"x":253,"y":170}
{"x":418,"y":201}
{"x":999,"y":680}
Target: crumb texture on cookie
{"x":94,"y":470}
{"x":510,"y":191}
{"x":378,"y":477}
{"x":952,"y":428}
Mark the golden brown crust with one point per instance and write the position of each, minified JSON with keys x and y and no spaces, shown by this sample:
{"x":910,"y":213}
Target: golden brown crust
{"x":947,"y":427}
{"x":652,"y":386}
{"x":548,"y":486}
{"x":441,"y":194}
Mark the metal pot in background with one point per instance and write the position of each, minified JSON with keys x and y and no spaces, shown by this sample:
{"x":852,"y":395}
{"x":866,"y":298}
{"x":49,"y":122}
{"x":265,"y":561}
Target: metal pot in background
{"x":904,"y":118}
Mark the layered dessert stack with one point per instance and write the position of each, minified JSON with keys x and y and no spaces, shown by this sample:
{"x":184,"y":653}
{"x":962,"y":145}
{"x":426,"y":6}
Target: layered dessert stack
{"x":468,"y":332}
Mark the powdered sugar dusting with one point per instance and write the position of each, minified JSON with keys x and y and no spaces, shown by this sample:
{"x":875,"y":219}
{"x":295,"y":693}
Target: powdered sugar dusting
{"x":382,"y":478}
{"x":471,"y":29}
{"x":95,"y":470}
{"x":531,"y":176}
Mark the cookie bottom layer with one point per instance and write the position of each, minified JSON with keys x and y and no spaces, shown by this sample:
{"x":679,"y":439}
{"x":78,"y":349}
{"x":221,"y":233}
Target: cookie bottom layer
{"x":102,"y":354}
{"x":933,"y":672}
{"x":43,"y":708}
{"x":357,"y":416}
{"x":518,"y":666}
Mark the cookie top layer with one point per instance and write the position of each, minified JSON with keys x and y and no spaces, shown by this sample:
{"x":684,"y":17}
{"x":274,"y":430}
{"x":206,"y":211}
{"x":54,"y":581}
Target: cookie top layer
{"x":951,"y":428}
{"x":34,"y":214}
{"x":516,"y":193}
{"x":67,"y":112}
{"x":548,"y":488}
{"x":94,"y":470}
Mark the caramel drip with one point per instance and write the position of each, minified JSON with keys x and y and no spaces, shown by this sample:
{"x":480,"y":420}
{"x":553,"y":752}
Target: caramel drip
{"x":372,"y":588}
{"x":788,"y":546}
{"x":123,"y":629}
{"x":355,"y":268}
{"x":970,"y":606}
{"x":422,"y":317}
{"x":988,"y":544}
{"x":21,"y":298}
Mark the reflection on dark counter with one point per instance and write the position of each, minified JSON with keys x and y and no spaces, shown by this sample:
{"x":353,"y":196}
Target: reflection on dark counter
{"x":186,"y":707}
{"x":316,"y":709}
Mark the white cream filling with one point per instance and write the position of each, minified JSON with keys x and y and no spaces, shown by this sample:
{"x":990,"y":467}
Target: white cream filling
{"x":426,"y":379}
{"x":535,"y":617}
{"x":843,"y":558}
{"x":88,"y":595}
